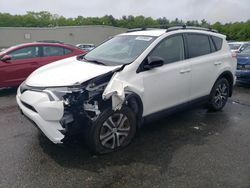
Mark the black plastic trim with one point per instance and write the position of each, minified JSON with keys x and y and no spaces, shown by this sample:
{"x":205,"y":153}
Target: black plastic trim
{"x":132,"y":95}
{"x":29,"y":106}
{"x":184,"y":106}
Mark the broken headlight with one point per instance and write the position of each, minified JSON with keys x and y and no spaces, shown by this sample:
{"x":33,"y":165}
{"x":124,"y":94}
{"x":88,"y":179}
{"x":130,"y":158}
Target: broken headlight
{"x":61,"y":93}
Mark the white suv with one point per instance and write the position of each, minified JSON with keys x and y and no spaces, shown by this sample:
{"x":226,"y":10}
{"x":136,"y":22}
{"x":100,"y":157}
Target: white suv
{"x":108,"y":93}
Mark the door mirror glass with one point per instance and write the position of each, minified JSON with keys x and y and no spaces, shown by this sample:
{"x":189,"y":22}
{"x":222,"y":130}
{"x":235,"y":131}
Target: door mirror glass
{"x":6,"y":58}
{"x":153,"y":61}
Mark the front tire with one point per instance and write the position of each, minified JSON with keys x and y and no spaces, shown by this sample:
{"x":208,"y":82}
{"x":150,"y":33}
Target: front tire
{"x":219,"y":94}
{"x":112,"y":130}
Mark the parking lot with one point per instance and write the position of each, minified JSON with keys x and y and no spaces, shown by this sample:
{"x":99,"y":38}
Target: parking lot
{"x":194,"y":148}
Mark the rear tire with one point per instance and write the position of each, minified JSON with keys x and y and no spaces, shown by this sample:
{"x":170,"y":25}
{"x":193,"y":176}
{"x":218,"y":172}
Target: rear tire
{"x":112,"y":130}
{"x":219,"y":94}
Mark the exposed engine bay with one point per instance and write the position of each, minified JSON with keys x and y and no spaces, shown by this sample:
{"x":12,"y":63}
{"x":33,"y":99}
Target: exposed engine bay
{"x":86,"y":104}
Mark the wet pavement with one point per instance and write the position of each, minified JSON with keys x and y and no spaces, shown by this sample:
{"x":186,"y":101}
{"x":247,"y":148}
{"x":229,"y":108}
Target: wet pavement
{"x":194,"y":148}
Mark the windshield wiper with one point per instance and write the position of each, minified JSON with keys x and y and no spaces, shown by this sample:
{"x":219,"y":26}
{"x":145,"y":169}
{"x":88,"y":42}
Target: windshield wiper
{"x":94,"y":61}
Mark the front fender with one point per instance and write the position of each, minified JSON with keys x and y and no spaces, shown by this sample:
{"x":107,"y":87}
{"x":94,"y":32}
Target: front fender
{"x":117,"y":89}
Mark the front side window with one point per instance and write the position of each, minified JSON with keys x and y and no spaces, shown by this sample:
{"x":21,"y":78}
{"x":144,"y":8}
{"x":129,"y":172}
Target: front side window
{"x":52,"y":51}
{"x":120,"y":50}
{"x":170,"y":49}
{"x":24,"y":53}
{"x":244,"y":46}
{"x":198,"y":45}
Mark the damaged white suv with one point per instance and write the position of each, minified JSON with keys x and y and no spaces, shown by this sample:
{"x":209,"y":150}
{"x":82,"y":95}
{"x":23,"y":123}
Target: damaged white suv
{"x":108,"y":93}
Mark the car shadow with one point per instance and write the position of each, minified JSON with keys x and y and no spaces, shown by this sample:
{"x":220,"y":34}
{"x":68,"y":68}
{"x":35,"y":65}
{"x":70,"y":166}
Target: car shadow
{"x":8,"y":91}
{"x":154,"y":144}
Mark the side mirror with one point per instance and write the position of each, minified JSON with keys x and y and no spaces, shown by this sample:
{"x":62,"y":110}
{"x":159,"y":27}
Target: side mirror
{"x":153,"y":61}
{"x":6,"y":58}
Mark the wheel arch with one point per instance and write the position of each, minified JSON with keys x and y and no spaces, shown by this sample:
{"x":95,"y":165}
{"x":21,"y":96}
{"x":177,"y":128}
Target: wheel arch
{"x":134,"y":101}
{"x":230,"y":78}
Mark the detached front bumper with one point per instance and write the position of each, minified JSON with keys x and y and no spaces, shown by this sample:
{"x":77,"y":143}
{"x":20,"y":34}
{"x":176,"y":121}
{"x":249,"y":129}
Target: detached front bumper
{"x":44,"y":113}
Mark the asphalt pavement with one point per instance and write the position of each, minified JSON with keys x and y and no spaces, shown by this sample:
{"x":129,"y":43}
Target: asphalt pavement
{"x":193,"y":148}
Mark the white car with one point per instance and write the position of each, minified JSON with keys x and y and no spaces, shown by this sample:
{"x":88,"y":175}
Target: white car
{"x":132,"y":78}
{"x":86,"y":47}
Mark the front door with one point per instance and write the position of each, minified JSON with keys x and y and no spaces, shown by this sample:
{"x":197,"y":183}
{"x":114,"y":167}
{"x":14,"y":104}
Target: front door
{"x":168,"y":85}
{"x":22,"y":63}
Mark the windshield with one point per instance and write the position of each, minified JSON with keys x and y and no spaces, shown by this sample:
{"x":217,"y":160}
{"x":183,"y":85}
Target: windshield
{"x":246,"y":50}
{"x":6,"y":50}
{"x":119,"y":50}
{"x":234,"y":46}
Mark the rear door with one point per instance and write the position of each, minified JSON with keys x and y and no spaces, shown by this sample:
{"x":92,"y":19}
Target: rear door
{"x":205,"y":62}
{"x":23,"y":62}
{"x":51,"y":53}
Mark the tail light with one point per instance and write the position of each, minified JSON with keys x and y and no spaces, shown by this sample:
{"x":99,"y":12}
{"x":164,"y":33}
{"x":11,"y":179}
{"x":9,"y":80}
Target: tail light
{"x":234,"y":55}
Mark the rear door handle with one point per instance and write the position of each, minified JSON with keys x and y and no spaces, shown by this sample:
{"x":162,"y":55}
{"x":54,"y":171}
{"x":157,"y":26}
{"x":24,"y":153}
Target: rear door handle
{"x":218,"y":63}
{"x":185,"y":71}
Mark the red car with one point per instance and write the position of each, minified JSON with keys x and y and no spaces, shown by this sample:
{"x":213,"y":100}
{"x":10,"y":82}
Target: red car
{"x":18,"y":62}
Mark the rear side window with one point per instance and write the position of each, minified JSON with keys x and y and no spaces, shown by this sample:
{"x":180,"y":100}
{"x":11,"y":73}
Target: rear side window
{"x":217,"y":42}
{"x":198,"y":45}
{"x":52,"y":51}
{"x":67,"y":51}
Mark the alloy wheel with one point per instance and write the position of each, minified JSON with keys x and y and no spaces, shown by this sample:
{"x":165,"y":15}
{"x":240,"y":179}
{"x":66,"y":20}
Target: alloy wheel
{"x":221,"y":94}
{"x":114,"y":131}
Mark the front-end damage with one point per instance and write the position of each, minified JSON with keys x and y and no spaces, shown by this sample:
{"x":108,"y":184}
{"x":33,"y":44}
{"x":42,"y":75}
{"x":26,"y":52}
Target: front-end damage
{"x":63,"y":111}
{"x":84,"y":106}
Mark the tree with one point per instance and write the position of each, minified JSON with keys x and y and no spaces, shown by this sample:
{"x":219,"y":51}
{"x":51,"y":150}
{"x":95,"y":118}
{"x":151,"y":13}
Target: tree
{"x":234,"y":31}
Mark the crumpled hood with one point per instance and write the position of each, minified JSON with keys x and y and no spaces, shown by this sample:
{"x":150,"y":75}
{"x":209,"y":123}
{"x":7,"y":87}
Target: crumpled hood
{"x":66,"y":72}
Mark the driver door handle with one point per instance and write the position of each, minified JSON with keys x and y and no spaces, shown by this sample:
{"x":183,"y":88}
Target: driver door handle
{"x":217,"y":63}
{"x":185,"y":71}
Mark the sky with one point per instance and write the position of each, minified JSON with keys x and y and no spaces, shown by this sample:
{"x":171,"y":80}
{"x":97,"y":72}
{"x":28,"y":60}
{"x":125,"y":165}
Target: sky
{"x":211,"y":10}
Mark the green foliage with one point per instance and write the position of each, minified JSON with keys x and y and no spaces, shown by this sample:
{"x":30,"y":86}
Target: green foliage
{"x":234,"y":31}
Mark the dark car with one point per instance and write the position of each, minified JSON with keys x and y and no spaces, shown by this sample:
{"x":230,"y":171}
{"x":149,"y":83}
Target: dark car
{"x":18,"y":62}
{"x":243,"y":65}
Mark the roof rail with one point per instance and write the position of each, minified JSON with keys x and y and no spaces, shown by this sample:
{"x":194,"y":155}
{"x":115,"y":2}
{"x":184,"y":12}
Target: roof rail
{"x":50,"y":41}
{"x":174,"y":28}
{"x":140,"y":29}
